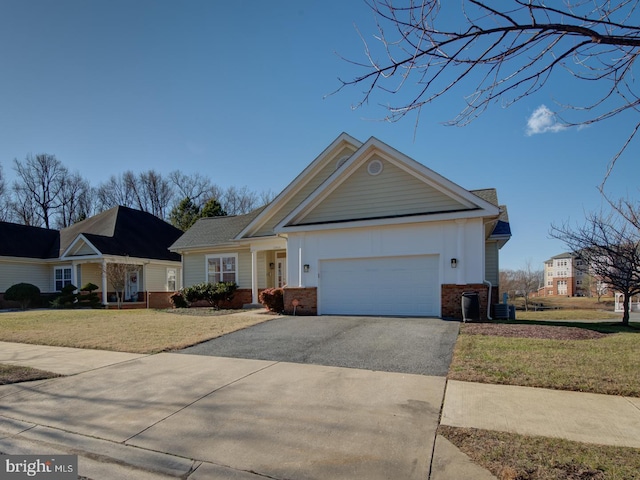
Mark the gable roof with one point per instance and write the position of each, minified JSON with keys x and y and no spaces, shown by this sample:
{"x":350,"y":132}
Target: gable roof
{"x":331,"y":159}
{"x":210,"y":231}
{"x":124,"y":231}
{"x":419,"y":193}
{"x":28,"y":242}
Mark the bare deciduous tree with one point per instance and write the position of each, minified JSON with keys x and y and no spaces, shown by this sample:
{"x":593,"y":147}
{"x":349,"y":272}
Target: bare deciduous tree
{"x":4,"y":199}
{"x":609,"y":246}
{"x":147,"y":191}
{"x":117,"y":274}
{"x":37,"y":189}
{"x":501,"y":52}
{"x":75,"y":200}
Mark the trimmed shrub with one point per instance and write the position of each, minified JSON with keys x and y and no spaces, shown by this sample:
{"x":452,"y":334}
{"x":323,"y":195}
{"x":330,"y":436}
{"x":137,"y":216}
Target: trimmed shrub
{"x":212,"y":293}
{"x":90,"y":297}
{"x":23,"y":293}
{"x":273,"y":299}
{"x":178,"y":300}
{"x":67,"y":298}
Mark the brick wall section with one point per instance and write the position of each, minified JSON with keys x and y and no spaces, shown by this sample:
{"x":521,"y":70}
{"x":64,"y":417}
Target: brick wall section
{"x":452,"y":299}
{"x":307,"y":300}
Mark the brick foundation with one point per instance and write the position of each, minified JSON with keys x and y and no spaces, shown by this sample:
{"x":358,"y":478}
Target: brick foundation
{"x":451,"y":297}
{"x":307,"y":300}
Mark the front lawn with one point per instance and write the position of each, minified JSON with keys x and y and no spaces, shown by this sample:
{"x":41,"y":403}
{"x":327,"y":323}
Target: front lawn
{"x":550,"y":356}
{"x":135,"y":331}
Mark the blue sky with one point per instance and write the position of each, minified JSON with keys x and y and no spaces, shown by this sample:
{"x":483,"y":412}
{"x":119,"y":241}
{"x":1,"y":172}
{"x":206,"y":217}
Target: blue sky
{"x":237,"y":90}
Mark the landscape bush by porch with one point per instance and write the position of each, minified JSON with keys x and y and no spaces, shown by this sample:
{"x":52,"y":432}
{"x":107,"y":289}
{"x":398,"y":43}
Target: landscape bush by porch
{"x":212,"y":293}
{"x":23,"y":293}
{"x":88,"y":296}
{"x":273,"y":299}
{"x":178,"y":301}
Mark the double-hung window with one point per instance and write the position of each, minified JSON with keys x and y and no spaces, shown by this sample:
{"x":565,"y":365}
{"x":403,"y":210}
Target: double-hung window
{"x":172,"y":274}
{"x":222,"y":268}
{"x":62,"y":277}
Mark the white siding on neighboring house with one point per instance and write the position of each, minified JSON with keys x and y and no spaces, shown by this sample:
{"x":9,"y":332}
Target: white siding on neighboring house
{"x":40,"y":275}
{"x":390,"y":193}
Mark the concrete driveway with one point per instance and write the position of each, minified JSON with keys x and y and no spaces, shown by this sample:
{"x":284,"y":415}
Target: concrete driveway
{"x":420,"y":346}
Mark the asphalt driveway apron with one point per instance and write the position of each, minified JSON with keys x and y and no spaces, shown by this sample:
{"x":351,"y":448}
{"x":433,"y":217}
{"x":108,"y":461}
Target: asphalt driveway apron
{"x":420,"y":346}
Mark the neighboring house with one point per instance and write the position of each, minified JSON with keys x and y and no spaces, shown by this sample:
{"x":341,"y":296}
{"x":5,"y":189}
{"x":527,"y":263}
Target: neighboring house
{"x":566,"y":275}
{"x":51,"y":259}
{"x":363,"y":230}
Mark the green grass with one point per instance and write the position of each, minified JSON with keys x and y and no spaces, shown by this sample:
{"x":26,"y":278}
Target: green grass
{"x":607,"y":365}
{"x":511,"y":456}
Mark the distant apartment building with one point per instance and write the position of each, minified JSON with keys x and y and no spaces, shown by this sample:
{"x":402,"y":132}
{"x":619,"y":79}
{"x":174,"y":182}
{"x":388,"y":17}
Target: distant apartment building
{"x":566,"y":276}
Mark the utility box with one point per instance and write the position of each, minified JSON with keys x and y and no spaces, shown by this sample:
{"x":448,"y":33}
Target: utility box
{"x":470,"y":306}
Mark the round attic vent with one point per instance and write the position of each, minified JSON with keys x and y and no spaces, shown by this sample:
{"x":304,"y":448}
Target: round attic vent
{"x":341,"y":161}
{"x":374,"y":167}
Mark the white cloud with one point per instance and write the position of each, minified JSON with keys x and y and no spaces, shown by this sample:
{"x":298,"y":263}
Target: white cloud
{"x":543,"y":120}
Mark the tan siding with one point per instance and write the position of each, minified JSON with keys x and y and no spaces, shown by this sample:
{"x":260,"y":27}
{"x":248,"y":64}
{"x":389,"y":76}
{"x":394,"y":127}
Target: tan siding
{"x":91,"y":273}
{"x":244,"y":269}
{"x":16,"y":272}
{"x":392,"y":192}
{"x":84,"y":250}
{"x":262,"y":269}
{"x":156,"y":280}
{"x":194,"y":268}
{"x":491,"y":266}
{"x":320,"y":177}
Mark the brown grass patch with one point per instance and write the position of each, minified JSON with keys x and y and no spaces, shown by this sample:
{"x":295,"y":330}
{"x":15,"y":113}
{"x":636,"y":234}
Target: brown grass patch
{"x":16,"y":374}
{"x":135,"y":331}
{"x":510,"y":456}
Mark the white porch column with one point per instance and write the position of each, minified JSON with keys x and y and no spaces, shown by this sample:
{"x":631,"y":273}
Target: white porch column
{"x":254,"y":276}
{"x":104,"y":282}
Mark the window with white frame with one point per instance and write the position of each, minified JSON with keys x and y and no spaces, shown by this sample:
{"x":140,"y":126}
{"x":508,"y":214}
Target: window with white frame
{"x":62,"y":276}
{"x":222,"y":268}
{"x":172,"y":275}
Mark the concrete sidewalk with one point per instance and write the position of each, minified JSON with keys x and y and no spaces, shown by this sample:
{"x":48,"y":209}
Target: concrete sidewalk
{"x":581,"y":417}
{"x":186,"y":416}
{"x":195,"y":417}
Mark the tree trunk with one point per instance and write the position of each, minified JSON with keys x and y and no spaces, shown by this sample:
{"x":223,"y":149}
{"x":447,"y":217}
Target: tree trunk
{"x":625,"y":307}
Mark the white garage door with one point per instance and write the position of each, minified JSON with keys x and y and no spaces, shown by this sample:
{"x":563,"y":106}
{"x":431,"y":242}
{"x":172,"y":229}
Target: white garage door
{"x":407,"y":285}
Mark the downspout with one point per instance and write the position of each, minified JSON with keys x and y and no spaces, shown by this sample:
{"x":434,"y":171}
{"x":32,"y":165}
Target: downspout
{"x":487,"y":282}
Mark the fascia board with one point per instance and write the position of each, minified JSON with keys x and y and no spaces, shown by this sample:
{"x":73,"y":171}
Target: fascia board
{"x":27,"y":260}
{"x":380,"y":222}
{"x":298,"y":183}
{"x":79,"y":238}
{"x":372,"y":147}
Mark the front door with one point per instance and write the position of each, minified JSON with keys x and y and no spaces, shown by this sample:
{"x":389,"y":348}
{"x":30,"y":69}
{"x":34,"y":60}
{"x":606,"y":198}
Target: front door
{"x":281,"y":269}
{"x":132,"y":286}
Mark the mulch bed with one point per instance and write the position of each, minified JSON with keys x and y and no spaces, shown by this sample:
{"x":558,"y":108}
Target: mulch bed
{"x":531,"y":331}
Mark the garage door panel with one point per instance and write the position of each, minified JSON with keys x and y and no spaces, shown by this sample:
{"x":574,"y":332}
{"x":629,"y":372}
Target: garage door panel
{"x":407,"y":285}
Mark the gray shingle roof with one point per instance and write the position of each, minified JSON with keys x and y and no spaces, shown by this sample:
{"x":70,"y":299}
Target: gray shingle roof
{"x":211,"y":231}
